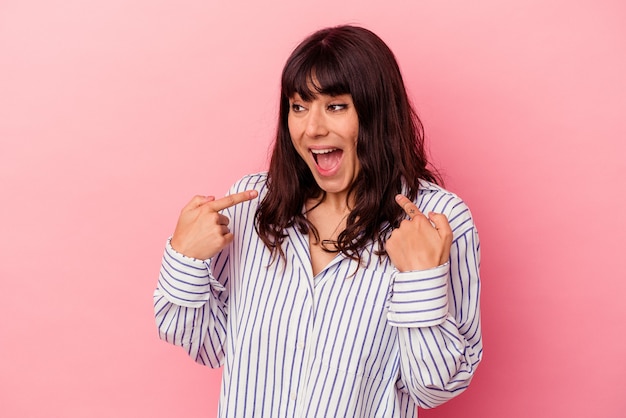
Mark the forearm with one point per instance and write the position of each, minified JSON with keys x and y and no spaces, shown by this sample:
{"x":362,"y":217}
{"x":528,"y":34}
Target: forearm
{"x":190,"y":307}
{"x":437,"y":363}
{"x":437,"y":313}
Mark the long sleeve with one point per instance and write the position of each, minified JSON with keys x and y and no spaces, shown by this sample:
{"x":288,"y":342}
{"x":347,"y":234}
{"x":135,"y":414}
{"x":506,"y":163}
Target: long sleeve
{"x":437,"y":314}
{"x":353,"y":340}
{"x":190,"y":305}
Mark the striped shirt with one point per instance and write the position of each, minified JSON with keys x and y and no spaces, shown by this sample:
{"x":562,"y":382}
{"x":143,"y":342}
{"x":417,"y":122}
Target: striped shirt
{"x":348,"y":342}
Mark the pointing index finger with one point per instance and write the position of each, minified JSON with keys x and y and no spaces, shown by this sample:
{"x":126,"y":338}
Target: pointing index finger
{"x":233,"y":199}
{"x":408,"y":206}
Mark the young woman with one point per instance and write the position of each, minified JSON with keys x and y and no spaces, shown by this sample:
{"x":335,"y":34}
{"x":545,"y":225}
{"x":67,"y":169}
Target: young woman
{"x":344,"y":281}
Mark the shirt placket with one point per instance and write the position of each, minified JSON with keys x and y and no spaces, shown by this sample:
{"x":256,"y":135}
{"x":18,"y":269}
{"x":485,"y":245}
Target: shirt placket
{"x":304,"y":349}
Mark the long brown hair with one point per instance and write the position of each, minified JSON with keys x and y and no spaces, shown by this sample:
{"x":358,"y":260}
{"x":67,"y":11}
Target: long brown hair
{"x":390,"y":145}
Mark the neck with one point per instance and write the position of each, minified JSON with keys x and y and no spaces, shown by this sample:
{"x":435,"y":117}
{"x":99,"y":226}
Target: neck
{"x":328,"y":217}
{"x":336,"y":203}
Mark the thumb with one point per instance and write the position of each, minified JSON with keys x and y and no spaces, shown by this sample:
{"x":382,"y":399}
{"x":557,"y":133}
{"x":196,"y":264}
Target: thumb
{"x":440,"y":220}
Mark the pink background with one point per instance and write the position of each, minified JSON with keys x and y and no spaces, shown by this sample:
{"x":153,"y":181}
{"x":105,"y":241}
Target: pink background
{"x":114,"y":113}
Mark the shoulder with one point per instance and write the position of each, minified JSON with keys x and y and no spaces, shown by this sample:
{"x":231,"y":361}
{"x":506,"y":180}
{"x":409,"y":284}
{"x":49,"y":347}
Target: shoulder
{"x":256,"y":182}
{"x":434,"y":198}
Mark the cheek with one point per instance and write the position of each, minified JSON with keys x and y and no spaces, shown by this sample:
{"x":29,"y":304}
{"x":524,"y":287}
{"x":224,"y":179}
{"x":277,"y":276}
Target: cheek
{"x":295,"y":131}
{"x":355,"y":135}
{"x":355,"y":130}
{"x":290,"y":127}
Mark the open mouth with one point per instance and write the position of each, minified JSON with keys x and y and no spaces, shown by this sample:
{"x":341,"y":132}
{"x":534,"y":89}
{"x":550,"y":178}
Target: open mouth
{"x":327,"y":159}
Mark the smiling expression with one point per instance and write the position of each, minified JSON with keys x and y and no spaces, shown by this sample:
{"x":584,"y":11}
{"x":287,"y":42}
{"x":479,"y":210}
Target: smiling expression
{"x":324,"y":132}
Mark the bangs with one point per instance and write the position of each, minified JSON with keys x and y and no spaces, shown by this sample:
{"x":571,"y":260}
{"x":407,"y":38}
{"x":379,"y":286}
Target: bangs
{"x":319,"y":72}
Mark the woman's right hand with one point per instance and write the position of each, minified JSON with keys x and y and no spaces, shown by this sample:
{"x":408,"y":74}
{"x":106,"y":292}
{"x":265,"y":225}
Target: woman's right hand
{"x":201,"y":231}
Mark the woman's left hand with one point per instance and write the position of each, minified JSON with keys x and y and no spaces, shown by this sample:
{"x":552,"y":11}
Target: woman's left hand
{"x":420,"y":242}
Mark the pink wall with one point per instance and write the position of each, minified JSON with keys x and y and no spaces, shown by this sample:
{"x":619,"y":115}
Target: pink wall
{"x":113,"y":113}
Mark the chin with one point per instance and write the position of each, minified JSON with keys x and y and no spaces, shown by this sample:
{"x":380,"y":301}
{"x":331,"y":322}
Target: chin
{"x":334,"y":186}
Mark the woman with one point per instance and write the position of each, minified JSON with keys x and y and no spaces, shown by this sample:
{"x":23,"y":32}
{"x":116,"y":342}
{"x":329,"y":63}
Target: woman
{"x":344,"y":281}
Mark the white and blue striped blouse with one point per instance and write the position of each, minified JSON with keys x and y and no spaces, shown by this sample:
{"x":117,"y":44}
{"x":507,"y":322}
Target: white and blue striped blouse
{"x":349,"y":342}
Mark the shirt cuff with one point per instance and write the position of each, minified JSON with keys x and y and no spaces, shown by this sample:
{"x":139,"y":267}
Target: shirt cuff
{"x":419,"y":298}
{"x":185,"y":279}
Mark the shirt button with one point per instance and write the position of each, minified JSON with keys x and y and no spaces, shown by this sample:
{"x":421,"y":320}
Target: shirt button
{"x":293,"y":396}
{"x":300,"y":345}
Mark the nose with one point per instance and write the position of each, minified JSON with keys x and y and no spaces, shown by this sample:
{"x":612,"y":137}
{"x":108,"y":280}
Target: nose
{"x":316,"y":122}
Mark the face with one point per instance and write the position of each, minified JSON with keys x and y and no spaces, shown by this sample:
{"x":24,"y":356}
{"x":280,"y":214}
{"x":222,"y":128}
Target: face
{"x":324,"y":132}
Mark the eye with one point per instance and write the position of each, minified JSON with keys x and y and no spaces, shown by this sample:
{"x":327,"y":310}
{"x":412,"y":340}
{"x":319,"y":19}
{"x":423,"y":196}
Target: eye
{"x":337,"y":107}
{"x":296,"y":108}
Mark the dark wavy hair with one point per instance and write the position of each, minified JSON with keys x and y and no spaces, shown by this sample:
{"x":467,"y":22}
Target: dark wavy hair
{"x":390,"y":144}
